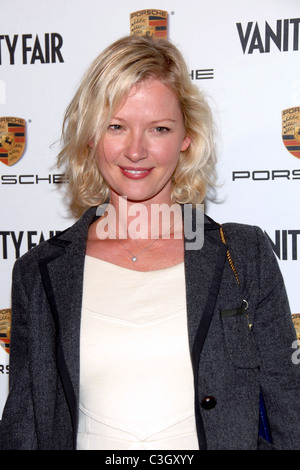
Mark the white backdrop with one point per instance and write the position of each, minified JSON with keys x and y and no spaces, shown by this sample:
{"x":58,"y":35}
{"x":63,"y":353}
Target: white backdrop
{"x":244,"y":54}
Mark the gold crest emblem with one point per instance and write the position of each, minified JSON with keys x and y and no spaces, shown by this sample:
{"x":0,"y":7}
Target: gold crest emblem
{"x":12,"y":139}
{"x":296,"y":320}
{"x":291,"y":130}
{"x":149,"y":23}
{"x":297,"y":132}
{"x":5,"y":327}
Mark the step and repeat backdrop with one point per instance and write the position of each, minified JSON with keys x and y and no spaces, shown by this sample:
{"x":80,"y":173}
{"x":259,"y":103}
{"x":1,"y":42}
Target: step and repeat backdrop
{"x":245,"y":55}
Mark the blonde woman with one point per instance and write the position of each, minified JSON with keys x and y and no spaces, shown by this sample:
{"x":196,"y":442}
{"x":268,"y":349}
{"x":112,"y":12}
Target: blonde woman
{"x":146,"y":325}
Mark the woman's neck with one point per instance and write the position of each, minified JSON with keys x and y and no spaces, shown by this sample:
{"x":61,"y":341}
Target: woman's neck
{"x":125,"y":219}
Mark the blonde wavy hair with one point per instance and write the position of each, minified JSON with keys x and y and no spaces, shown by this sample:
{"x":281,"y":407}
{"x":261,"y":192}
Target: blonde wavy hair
{"x":108,"y":80}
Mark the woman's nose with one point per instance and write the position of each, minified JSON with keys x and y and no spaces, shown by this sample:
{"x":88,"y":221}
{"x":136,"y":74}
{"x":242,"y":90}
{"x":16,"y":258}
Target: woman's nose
{"x":136,"y":147}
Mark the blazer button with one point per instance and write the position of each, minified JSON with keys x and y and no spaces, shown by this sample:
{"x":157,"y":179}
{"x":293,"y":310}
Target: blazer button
{"x":208,"y":403}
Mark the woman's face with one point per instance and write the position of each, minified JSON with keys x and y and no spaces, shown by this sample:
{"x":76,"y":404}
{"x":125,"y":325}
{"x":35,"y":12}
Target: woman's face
{"x":140,"y":149}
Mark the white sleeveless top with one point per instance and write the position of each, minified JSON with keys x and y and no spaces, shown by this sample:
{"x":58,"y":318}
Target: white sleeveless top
{"x":136,"y":380}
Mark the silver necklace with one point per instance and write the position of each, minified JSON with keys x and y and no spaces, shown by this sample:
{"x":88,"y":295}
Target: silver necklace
{"x":135,"y":258}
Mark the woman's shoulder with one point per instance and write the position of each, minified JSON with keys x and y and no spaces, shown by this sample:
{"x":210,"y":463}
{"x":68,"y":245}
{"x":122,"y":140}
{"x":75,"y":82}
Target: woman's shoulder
{"x":237,"y":231}
{"x":249,"y":244}
{"x":244,"y":239}
{"x":47,"y":248}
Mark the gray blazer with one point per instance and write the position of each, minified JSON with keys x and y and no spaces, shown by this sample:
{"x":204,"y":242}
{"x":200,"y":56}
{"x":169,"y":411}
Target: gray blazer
{"x":231,"y":362}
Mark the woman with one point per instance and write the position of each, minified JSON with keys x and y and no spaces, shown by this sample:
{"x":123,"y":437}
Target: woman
{"x":126,"y":332}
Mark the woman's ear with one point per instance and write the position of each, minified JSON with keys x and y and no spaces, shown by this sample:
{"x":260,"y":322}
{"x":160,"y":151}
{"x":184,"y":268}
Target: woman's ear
{"x":185,"y":143}
{"x":91,"y":143}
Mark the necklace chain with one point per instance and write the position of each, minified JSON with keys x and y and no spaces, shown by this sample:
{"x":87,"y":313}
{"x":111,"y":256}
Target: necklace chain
{"x":134,"y":257}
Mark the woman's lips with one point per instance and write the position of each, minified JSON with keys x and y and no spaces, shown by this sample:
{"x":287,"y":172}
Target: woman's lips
{"x":135,"y":173}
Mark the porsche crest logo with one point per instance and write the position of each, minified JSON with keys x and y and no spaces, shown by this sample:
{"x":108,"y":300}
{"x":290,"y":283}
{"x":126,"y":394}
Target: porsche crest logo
{"x":149,"y":23}
{"x":12,"y":139}
{"x":5,"y":326}
{"x":291,"y":130}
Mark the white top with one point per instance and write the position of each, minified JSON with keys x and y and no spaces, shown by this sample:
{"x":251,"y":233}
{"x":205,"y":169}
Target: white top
{"x":136,"y":380}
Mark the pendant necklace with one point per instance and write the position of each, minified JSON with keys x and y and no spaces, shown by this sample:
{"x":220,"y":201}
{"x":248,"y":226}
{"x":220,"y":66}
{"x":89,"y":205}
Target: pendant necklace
{"x":134,"y":257}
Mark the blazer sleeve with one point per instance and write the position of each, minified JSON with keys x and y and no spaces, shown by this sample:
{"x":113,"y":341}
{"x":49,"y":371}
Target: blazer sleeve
{"x":275,"y":336}
{"x":17,"y":429}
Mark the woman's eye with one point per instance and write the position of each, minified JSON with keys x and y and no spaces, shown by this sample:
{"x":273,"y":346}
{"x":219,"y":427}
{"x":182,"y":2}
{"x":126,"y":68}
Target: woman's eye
{"x":161,"y":129}
{"x":115,"y":127}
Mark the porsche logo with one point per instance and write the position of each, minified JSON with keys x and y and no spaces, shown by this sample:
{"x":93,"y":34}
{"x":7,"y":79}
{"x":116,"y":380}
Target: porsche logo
{"x":149,"y":23}
{"x":12,"y":139}
{"x":291,"y":130}
{"x":5,"y":327}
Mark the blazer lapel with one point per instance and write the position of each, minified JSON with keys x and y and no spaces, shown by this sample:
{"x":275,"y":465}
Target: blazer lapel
{"x":203,"y":274}
{"x":62,"y":276}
